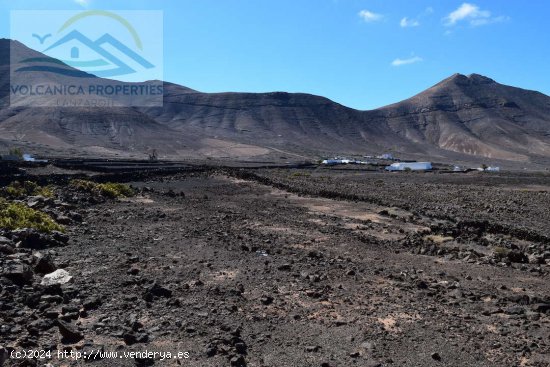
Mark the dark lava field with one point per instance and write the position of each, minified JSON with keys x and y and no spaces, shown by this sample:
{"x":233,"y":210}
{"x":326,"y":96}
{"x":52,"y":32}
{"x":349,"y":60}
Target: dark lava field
{"x":283,"y":268}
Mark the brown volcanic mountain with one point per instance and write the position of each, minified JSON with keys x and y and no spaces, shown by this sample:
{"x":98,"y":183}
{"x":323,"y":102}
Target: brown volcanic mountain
{"x":477,"y":116}
{"x":77,"y":130}
{"x":295,"y":122}
{"x":460,"y":119}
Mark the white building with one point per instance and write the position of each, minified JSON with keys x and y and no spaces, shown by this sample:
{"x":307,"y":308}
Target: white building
{"x":413,"y":166}
{"x":385,"y":156}
{"x":332,"y":162}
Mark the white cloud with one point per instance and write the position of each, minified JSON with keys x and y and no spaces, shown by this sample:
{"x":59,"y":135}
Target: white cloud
{"x":411,"y":60}
{"x":83,"y":3}
{"x":472,"y":14}
{"x":406,"y":22}
{"x":467,"y":11}
{"x":478,"y":22}
{"x":369,"y":16}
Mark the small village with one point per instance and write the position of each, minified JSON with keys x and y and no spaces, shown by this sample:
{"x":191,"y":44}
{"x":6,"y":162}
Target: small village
{"x":387,"y":161}
{"x":398,"y":165}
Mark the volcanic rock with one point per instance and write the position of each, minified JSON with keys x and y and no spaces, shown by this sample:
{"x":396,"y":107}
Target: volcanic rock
{"x":69,"y":332}
{"x":58,"y":277}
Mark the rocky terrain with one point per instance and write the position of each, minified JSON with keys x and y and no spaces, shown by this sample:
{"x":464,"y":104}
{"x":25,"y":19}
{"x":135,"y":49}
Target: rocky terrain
{"x":282,"y":267}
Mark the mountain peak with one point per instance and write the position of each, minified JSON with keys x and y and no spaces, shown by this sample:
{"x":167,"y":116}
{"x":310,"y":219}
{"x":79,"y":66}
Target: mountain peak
{"x":480,"y":79}
{"x":462,"y":80}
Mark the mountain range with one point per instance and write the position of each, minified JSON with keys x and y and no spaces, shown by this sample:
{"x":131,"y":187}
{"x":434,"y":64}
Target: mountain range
{"x":462,"y":119}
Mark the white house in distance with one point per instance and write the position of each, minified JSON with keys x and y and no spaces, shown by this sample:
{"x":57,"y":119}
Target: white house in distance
{"x":388,"y":156}
{"x":335,"y":161}
{"x":406,"y":166}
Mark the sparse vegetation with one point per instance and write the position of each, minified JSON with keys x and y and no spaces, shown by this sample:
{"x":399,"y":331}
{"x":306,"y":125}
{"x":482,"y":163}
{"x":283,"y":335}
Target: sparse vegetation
{"x":109,"y":189}
{"x":438,"y":239}
{"x":300,"y":174}
{"x":17,"y":215}
{"x":500,"y":252}
{"x":16,"y":152}
{"x":28,"y":188}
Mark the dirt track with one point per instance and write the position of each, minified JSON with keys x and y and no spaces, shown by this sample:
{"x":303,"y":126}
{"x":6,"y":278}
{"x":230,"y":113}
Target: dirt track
{"x":294,"y":268}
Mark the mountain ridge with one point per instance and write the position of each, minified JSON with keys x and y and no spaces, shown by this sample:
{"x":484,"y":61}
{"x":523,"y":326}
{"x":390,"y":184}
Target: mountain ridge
{"x":460,"y":119}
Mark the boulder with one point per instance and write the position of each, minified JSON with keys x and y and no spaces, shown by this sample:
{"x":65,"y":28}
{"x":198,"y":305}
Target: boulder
{"x":34,"y":239}
{"x":69,"y":332}
{"x":4,"y":355}
{"x":144,"y":362}
{"x":266,"y":300}
{"x":18,"y":273}
{"x":6,"y":249}
{"x":517,"y":257}
{"x":156,"y":290}
{"x":92,"y":304}
{"x":237,"y":361}
{"x":541,"y":307}
{"x":59,"y":276}
{"x":63,"y":219}
{"x":44,"y":264}
{"x":5,"y":241}
{"x":132,"y":337}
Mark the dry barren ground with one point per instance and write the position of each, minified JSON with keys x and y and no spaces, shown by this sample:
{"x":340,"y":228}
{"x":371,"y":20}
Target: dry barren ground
{"x":302,"y":268}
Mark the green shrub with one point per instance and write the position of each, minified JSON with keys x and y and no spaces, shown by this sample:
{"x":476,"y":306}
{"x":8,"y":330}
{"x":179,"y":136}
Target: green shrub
{"x":46,"y":191}
{"x":437,"y":239}
{"x":16,"y":152}
{"x":17,"y":215}
{"x":500,"y":252}
{"x":116,"y":190}
{"x":300,"y":174}
{"x":28,"y":188}
{"x":109,"y":189}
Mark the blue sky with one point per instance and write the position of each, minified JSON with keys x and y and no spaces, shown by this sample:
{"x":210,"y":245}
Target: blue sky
{"x":361,"y":53}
